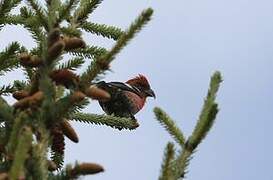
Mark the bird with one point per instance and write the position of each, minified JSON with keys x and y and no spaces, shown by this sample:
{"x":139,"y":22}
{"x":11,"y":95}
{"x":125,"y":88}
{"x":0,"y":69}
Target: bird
{"x":127,"y":98}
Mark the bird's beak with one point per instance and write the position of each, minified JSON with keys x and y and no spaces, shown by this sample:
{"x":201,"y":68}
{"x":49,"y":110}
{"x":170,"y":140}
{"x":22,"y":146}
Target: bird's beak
{"x":150,"y":93}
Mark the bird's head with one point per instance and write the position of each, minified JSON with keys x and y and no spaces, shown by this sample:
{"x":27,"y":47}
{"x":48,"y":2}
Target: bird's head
{"x":141,"y":83}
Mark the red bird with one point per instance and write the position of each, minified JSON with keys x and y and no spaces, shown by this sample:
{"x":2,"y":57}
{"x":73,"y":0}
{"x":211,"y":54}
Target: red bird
{"x":126,"y":98}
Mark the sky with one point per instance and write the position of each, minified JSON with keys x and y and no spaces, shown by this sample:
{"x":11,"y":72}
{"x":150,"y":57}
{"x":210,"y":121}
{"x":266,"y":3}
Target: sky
{"x":183,"y":45}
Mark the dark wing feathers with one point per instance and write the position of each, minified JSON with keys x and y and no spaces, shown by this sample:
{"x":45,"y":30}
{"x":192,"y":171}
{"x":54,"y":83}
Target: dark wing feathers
{"x":119,"y":85}
{"x":119,"y":104}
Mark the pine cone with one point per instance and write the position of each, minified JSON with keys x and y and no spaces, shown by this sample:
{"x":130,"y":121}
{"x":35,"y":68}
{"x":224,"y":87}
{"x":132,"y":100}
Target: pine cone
{"x":85,"y":169}
{"x":72,"y":43}
{"x":68,"y":131}
{"x":65,"y":77}
{"x":96,"y":93}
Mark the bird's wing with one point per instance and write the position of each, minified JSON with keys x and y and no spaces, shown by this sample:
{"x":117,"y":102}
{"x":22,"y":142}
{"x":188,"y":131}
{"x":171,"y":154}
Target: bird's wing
{"x":124,"y":86}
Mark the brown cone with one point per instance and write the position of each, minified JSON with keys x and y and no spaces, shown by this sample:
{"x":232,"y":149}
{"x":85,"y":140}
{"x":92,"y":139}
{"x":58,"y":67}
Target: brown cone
{"x":35,"y":61}
{"x":55,"y":50}
{"x":64,"y":77}
{"x":30,"y":61}
{"x":96,"y":93}
{"x":69,"y":132}
{"x":72,"y":43}
{"x":36,"y":98}
{"x":32,"y":101}
{"x":86,"y":169}
{"x":53,"y":36}
{"x":22,"y":104}
{"x":20,"y":94}
{"x":24,"y":57}
{"x":77,"y":96}
{"x":52,"y":165}
{"x":58,"y":143}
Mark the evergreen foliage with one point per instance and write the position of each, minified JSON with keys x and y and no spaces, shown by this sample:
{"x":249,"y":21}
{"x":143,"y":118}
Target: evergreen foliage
{"x":175,"y":166}
{"x":52,"y":94}
{"x":38,"y":121}
{"x":112,"y":121}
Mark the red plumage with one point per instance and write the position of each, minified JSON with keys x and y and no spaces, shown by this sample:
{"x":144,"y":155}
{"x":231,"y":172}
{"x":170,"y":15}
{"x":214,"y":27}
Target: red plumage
{"x":139,"y":80}
{"x":126,"y":98}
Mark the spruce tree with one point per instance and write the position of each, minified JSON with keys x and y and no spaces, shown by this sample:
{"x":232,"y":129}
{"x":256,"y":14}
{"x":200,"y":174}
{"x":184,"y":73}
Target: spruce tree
{"x":32,"y":129}
{"x":175,"y":162}
{"x":53,"y":94}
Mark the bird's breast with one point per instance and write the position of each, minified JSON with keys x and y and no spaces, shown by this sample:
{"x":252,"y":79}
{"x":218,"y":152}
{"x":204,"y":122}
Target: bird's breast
{"x":136,"y":101}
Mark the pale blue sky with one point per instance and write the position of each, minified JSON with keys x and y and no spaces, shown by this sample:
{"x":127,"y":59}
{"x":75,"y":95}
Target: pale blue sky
{"x":179,"y":50}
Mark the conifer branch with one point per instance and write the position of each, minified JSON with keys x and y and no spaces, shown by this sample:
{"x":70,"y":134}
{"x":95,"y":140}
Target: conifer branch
{"x":57,"y":148}
{"x":52,"y":13}
{"x":166,"y":168}
{"x":70,"y":104}
{"x":21,"y":153}
{"x":7,"y":5}
{"x":11,"y":88}
{"x":89,"y":52}
{"x":66,"y":9}
{"x":12,"y":20}
{"x":6,"y":89}
{"x":20,"y":85}
{"x":8,"y":59}
{"x":204,"y":124}
{"x":57,"y":145}
{"x":17,"y":124}
{"x":48,"y":91}
{"x":112,"y":121}
{"x":170,"y":126}
{"x":57,"y":158}
{"x":33,"y":25}
{"x":135,"y":27}
{"x":6,"y":113}
{"x":40,"y":12}
{"x":101,"y":63}
{"x":40,"y":163}
{"x":41,"y":104}
{"x":110,"y":32}
{"x":71,"y":31}
{"x":181,"y":163}
{"x":29,"y":73}
{"x":78,"y":107}
{"x":72,"y":64}
{"x":61,"y":175}
{"x":86,"y":8}
{"x":208,"y":113}
{"x":27,"y":13}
